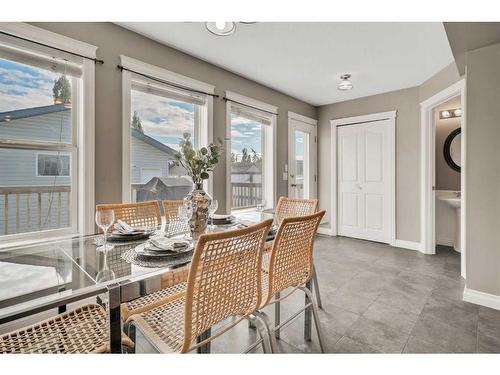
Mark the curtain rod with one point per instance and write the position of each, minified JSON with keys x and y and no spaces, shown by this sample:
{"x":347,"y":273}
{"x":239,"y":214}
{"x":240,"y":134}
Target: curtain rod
{"x":96,"y":61}
{"x":247,"y":105}
{"x":122,"y":68}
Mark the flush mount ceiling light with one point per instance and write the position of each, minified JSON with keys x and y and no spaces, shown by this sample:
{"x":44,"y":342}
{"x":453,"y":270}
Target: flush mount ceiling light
{"x":221,"y":28}
{"x":345,"y":83}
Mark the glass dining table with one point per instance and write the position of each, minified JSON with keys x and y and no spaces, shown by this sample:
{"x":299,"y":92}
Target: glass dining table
{"x":53,"y":274}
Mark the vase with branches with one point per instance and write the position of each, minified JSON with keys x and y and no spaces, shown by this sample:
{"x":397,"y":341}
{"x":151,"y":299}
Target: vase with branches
{"x":198,"y":164}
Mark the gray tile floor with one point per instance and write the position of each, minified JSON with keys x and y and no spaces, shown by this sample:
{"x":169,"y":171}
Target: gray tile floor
{"x":381,"y":299}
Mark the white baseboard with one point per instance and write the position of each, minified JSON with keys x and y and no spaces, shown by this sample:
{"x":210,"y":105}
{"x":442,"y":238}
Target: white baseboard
{"x":445,"y":242}
{"x":481,"y":298}
{"x":408,"y":245}
{"x":325,"y":231}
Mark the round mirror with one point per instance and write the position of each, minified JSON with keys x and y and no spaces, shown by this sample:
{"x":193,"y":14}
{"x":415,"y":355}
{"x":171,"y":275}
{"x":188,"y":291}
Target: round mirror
{"x":452,"y":147}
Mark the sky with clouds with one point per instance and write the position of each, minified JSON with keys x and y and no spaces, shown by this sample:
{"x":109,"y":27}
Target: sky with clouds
{"x":23,"y":86}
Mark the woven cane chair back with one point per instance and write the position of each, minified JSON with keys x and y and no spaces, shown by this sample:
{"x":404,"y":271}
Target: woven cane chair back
{"x":291,"y":259}
{"x":135,"y":214}
{"x":292,"y":207}
{"x":174,"y":224}
{"x":224,"y":279}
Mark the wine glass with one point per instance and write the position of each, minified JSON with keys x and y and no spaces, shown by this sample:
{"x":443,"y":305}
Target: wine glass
{"x":211,"y":210}
{"x":185,"y":213}
{"x":104,"y":219}
{"x":261,"y":205}
{"x":105,"y":274}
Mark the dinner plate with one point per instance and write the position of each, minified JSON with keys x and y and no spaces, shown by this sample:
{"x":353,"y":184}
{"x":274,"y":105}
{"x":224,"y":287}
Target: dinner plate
{"x":142,"y":251}
{"x":130,"y":237}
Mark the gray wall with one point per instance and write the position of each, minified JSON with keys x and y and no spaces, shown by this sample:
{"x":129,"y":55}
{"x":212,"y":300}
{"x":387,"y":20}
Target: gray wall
{"x":446,"y":177}
{"x":483,"y":173}
{"x":112,"y":41}
{"x":407,"y":103}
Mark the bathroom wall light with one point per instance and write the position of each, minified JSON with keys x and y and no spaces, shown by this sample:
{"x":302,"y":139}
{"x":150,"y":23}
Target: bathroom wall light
{"x":450,"y":113}
{"x":221,"y":28}
{"x":345,"y":83}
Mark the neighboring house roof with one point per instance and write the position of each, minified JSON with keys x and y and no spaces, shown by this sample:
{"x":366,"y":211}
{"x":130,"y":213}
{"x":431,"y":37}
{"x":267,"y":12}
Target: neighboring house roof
{"x":31,"y":112}
{"x":152,"y":142}
{"x":38,"y":111}
{"x":155,"y":182}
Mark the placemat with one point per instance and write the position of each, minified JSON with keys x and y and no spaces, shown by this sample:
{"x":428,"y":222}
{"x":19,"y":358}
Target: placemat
{"x":131,"y":256}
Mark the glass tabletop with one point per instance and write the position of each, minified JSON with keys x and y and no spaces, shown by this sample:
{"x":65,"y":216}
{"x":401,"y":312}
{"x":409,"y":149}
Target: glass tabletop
{"x":40,"y":273}
{"x":64,"y":269}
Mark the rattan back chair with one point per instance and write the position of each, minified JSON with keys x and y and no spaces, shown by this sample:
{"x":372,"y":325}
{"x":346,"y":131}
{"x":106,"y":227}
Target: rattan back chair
{"x":293,"y":207}
{"x":291,"y":263}
{"x":145,"y":214}
{"x":224,"y":281}
{"x":174,"y":225}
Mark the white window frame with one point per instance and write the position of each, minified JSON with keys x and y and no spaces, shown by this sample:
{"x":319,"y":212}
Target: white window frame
{"x":269,"y":153}
{"x":84,"y":113}
{"x":205,"y":128}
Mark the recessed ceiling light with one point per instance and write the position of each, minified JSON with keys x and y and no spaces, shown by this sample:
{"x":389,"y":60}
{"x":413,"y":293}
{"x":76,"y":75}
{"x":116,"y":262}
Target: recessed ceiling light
{"x":345,"y":83}
{"x":221,"y":28}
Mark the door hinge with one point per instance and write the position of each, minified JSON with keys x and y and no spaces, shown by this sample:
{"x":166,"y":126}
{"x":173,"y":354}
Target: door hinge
{"x":315,"y":139}
{"x":315,"y":178}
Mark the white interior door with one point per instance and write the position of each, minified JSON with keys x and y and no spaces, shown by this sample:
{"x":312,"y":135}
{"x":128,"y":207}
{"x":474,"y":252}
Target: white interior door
{"x":364,"y":190}
{"x":302,"y":179}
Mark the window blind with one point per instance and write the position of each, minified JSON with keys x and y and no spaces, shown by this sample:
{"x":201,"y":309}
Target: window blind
{"x":148,"y":86}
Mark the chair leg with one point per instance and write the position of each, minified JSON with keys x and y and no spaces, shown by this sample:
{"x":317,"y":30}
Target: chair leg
{"x":251,"y":323}
{"x":317,"y":323}
{"x":268,"y":337}
{"x":277,"y":316}
{"x":132,"y":334}
{"x":316,"y":288}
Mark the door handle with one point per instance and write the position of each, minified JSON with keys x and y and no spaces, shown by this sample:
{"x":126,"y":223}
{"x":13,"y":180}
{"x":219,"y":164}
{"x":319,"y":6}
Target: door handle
{"x":293,"y":185}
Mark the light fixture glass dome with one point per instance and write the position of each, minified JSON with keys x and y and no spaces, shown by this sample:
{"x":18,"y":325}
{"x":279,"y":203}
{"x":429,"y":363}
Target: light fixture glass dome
{"x":221,"y":28}
{"x":345,"y":83}
{"x":458,"y":112}
{"x":445,"y":114}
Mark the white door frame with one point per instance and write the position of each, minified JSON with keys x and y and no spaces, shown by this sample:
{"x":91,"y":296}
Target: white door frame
{"x":391,"y":116}
{"x":427,"y":178}
{"x":311,"y":124}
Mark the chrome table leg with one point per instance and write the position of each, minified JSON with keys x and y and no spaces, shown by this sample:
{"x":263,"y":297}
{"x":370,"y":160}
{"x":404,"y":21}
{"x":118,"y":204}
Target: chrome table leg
{"x":115,"y":320}
{"x":204,"y":349}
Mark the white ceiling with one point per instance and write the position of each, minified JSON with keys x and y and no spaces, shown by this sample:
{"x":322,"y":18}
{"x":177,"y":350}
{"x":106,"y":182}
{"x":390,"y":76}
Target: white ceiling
{"x":305,"y":60}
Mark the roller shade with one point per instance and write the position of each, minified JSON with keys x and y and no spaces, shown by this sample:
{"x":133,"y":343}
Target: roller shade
{"x":150,"y":87}
{"x":252,"y":114}
{"x":43,"y":57}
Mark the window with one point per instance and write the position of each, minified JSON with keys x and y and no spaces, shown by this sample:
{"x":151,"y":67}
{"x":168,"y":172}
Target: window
{"x":41,"y":140}
{"x":251,"y":154}
{"x":158,"y":116}
{"x":53,"y":165}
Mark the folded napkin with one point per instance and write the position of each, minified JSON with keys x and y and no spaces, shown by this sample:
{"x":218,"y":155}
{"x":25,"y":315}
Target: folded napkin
{"x":122,"y":227}
{"x":163,"y":243}
{"x":221,"y":217}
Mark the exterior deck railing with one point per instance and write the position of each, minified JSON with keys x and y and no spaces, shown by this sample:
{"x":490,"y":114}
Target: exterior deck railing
{"x":28,"y":203}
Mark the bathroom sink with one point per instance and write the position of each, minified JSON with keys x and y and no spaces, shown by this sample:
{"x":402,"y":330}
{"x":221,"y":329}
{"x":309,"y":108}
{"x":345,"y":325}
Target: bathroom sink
{"x":453,"y":202}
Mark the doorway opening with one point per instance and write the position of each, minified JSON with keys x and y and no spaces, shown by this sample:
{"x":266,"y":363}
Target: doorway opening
{"x":443,"y":171}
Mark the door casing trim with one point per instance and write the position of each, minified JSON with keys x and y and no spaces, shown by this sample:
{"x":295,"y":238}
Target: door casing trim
{"x":334,"y":123}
